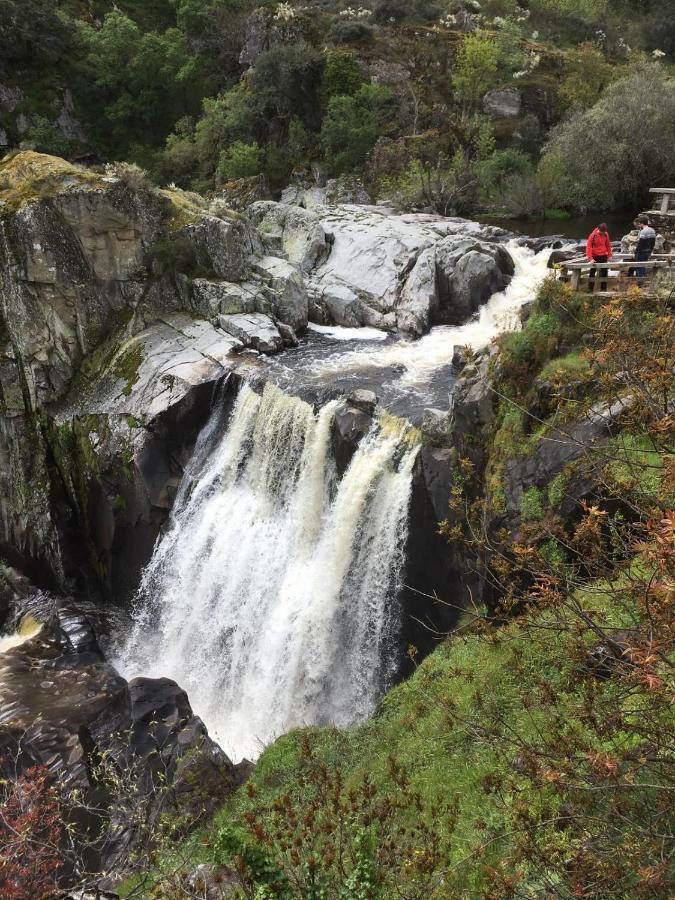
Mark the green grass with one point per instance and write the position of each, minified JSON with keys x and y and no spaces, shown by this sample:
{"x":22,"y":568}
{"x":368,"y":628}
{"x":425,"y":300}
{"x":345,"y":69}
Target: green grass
{"x":572,"y":365}
{"x":437,"y":726}
{"x":636,"y":464}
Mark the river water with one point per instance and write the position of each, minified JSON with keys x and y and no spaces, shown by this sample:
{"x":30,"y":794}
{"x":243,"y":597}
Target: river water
{"x":272,"y":597}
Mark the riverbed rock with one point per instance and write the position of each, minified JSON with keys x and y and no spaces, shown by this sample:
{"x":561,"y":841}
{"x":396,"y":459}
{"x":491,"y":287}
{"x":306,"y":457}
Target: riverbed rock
{"x":63,"y":706}
{"x":289,"y":294}
{"x":367,"y":266}
{"x":253,"y":330}
{"x":351,"y":423}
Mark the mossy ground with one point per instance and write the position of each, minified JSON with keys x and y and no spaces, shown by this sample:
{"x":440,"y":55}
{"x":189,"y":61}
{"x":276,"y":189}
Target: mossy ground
{"x":27,"y":177}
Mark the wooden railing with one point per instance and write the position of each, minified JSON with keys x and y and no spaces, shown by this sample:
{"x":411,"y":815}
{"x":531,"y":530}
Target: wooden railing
{"x":618,"y":275}
{"x":667,"y":199}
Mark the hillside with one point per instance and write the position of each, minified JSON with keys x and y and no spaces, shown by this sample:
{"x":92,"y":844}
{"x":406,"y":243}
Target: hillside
{"x":451,"y":106}
{"x":531,"y":754}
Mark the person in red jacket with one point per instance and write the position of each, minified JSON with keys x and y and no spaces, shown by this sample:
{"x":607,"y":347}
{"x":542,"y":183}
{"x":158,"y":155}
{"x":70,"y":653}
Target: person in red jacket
{"x":598,"y":250}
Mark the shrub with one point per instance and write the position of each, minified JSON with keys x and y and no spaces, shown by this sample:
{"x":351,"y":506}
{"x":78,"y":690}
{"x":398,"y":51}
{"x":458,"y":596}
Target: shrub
{"x":350,"y":31}
{"x":46,"y":137}
{"x":499,"y":166}
{"x":240,"y":160}
{"x":477,"y":68}
{"x":353,"y":124}
{"x":386,"y":12}
{"x":587,"y":74}
{"x":342,"y":75}
{"x":605,"y":142}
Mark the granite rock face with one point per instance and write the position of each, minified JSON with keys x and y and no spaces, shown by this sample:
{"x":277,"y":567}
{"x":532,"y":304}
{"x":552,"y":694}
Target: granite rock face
{"x":365,"y":266}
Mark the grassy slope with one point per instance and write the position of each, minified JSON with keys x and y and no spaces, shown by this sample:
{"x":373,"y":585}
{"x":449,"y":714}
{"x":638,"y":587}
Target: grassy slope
{"x":455,"y":726}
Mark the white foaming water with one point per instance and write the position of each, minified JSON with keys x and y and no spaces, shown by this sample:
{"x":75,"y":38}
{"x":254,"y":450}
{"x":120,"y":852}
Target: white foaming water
{"x":422,"y":358}
{"x":272,"y":598}
{"x":341,"y":333}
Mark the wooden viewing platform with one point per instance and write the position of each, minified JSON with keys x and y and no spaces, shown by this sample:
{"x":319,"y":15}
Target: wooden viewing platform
{"x":619,"y":277}
{"x":667,"y":201}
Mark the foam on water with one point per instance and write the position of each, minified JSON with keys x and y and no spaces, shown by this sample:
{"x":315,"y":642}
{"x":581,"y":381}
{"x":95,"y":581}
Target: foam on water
{"x":272,"y":599}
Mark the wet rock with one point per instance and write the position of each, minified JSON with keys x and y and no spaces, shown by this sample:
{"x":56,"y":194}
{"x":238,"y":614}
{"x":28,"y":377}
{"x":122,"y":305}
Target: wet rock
{"x":290,"y":303}
{"x":253,"y":330}
{"x":436,"y":424}
{"x":350,"y":425}
{"x":63,"y":706}
{"x":364,"y":400}
{"x":461,"y":356}
{"x":288,"y":336}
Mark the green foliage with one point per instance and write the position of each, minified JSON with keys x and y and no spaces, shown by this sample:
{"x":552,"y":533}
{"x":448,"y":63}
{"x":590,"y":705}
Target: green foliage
{"x":45,"y":137}
{"x":32,"y":30}
{"x":287,"y":84}
{"x":350,"y":31}
{"x":587,"y":75}
{"x":342,"y":75}
{"x":477,"y":69}
{"x":500,"y":165}
{"x":604,"y":160}
{"x":134,"y":83}
{"x":389,"y":12}
{"x":532,"y":506}
{"x":353,"y":124}
{"x":557,"y":489}
{"x":240,"y":160}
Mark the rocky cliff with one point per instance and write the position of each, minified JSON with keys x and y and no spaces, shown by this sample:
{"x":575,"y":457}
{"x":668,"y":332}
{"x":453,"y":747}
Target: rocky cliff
{"x":123,"y":307}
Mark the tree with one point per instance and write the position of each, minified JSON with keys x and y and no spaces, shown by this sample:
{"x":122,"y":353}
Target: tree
{"x":240,"y":160}
{"x":477,"y":68}
{"x":135,"y":83}
{"x":287,"y":83}
{"x":353,"y":124}
{"x":609,"y":161}
{"x":32,"y":29}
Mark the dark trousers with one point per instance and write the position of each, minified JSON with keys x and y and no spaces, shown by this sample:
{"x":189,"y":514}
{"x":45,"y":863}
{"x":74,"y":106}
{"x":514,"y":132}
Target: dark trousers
{"x":601,"y":272}
{"x":640,"y":256}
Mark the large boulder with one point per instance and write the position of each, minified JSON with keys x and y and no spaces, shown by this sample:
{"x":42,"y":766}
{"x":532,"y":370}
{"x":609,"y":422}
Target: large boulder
{"x":504,"y":103}
{"x":63,"y":706}
{"x":87,"y":262}
{"x":288,"y":299}
{"x":253,"y":330}
{"x":366,"y":266}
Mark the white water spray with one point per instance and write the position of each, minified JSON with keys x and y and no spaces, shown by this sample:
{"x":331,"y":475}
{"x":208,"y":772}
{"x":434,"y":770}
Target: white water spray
{"x":422,"y":358}
{"x":272,"y":599}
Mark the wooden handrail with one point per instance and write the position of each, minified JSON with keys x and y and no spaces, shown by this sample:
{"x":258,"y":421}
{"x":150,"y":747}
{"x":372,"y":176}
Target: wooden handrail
{"x":619,"y":264}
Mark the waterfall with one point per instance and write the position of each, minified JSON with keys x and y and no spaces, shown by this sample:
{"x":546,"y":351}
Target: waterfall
{"x":272,"y":597}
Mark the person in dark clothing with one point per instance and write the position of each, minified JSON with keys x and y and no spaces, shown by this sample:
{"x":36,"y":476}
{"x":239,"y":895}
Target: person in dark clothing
{"x":598,"y":250}
{"x":644,"y":247}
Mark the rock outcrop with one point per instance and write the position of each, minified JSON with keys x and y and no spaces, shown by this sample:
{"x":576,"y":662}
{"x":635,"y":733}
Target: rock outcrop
{"x":365,"y":266}
{"x":104,"y":285}
{"x":63,"y":706}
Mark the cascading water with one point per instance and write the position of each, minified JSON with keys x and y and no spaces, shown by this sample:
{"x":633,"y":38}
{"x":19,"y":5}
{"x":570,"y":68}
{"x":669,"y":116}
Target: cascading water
{"x":272,"y":598}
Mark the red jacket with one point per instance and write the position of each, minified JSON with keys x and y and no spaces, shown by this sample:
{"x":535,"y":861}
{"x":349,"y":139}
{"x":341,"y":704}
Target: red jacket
{"x":598,"y":244}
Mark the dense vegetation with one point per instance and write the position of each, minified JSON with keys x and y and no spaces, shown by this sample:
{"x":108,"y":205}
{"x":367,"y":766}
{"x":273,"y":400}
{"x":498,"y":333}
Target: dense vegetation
{"x":531,"y":755}
{"x":204,"y":92}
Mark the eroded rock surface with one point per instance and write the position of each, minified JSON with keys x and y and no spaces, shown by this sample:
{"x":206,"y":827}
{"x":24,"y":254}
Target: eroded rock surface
{"x":367,"y":267}
{"x":63,"y":706}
